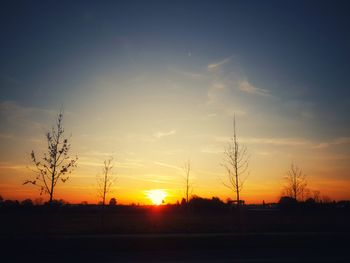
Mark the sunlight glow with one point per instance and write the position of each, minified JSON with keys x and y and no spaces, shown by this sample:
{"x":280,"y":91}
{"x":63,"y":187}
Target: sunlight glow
{"x":156,"y":196}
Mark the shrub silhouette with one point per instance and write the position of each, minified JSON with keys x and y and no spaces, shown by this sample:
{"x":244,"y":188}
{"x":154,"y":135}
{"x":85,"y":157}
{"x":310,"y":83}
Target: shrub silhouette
{"x":27,"y":202}
{"x":287,"y":202}
{"x":113,"y":202}
{"x":204,"y":204}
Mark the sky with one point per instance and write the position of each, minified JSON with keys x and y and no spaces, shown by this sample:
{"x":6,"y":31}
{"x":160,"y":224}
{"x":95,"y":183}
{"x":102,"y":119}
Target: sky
{"x":155,"y":83}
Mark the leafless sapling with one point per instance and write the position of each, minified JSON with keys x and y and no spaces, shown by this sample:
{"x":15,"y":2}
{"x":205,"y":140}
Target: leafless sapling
{"x":105,"y":182}
{"x":55,"y":165}
{"x":236,"y":163}
{"x":296,"y":183}
{"x":187,"y":170}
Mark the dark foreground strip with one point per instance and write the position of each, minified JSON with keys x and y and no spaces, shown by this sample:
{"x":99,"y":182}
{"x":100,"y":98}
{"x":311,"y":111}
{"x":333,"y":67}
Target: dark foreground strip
{"x":248,"y":247}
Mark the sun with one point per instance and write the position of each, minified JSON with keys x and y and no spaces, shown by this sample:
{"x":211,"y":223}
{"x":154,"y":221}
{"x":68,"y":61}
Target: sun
{"x":156,"y":196}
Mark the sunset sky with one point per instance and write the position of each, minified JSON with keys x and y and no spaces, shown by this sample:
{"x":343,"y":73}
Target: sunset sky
{"x":154,"y":83}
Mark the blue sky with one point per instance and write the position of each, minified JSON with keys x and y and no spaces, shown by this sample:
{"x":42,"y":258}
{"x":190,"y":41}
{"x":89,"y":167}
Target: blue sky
{"x":145,"y":70}
{"x":297,"y":50}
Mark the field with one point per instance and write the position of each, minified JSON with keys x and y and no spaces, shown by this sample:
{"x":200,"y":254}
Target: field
{"x":172,"y":234}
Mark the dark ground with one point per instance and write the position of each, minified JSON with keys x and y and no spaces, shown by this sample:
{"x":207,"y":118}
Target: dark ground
{"x":267,"y":247}
{"x":170,"y":234}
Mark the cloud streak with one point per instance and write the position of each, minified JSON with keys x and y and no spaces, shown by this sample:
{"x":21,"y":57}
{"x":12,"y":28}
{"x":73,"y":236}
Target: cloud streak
{"x":216,"y":65}
{"x":287,"y":141}
{"x":336,"y":141}
{"x":22,"y":117}
{"x":168,"y":166}
{"x":187,"y":73}
{"x":161,"y":134}
{"x":247,"y":87}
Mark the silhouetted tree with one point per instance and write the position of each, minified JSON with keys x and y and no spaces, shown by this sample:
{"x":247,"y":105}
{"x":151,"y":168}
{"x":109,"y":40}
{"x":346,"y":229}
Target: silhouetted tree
{"x":55,"y":165}
{"x":310,"y":201}
{"x":105,"y":181}
{"x":287,"y":202}
{"x":57,"y":203}
{"x":187,"y":171}
{"x":113,"y":202}
{"x":10,"y":203}
{"x":27,"y":202}
{"x":236,"y":162}
{"x":183,"y":202}
{"x":295,"y":183}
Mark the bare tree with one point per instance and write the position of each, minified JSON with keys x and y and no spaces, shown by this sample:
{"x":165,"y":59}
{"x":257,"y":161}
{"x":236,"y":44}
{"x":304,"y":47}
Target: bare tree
{"x":187,"y":170}
{"x":105,"y":182}
{"x":236,"y":163}
{"x":295,"y":183}
{"x":55,"y":165}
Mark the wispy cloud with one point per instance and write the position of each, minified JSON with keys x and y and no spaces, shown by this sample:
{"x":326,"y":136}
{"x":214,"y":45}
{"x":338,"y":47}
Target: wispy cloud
{"x":98,"y":162}
{"x":161,"y":134}
{"x":219,"y":96}
{"x":209,"y":116}
{"x":189,"y":74}
{"x":230,"y":111}
{"x":212,"y":149}
{"x":140,"y":137}
{"x":88,"y":162}
{"x":336,"y":141}
{"x":226,"y":86}
{"x":98,"y":153}
{"x":17,"y":138}
{"x":19,"y":110}
{"x":216,"y":92}
{"x":332,"y":157}
{"x":21,"y":116}
{"x":247,"y":87}
{"x":151,"y":178}
{"x":149,"y":137}
{"x":133,"y":163}
{"x":278,"y":141}
{"x":272,"y":141}
{"x":168,"y":165}
{"x":305,"y":109}
{"x":7,"y":165}
{"x":216,"y":65}
{"x":7,"y":136}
